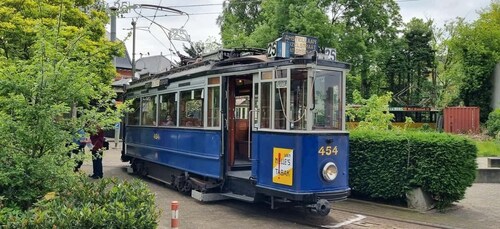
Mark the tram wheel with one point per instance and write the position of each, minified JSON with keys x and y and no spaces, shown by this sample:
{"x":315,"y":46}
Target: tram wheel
{"x":322,"y":207}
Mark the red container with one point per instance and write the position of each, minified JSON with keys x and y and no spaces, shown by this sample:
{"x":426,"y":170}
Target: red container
{"x":461,"y":120}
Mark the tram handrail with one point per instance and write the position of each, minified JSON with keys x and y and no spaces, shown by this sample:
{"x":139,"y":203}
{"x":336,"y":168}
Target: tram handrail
{"x":250,"y":126}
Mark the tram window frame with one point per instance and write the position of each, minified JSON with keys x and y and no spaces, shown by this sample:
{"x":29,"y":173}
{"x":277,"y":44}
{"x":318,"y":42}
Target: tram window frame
{"x":280,"y":100}
{"x":170,"y":110}
{"x":197,"y":120}
{"x":265,"y":104}
{"x":330,"y":122}
{"x":298,"y":106}
{"x":148,"y":120}
{"x":213,"y":104}
{"x":135,"y":115}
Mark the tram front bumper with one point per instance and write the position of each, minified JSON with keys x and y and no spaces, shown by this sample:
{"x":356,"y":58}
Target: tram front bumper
{"x":331,"y":196}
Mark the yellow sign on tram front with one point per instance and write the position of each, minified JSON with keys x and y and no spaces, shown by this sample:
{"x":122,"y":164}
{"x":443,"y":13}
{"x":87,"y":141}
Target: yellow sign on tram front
{"x":283,"y":166}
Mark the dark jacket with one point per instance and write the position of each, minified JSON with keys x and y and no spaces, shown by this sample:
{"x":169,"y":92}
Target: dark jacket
{"x":97,"y":140}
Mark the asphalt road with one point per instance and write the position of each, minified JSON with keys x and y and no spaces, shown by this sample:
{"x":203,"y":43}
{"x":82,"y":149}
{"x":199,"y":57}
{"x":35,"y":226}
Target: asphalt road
{"x":480,"y":209}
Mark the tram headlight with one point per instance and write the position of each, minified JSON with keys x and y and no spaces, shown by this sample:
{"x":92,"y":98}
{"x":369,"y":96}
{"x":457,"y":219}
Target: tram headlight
{"x":330,"y":171}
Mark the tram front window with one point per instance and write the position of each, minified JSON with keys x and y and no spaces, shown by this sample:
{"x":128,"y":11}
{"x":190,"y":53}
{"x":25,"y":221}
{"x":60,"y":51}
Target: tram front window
{"x":327,"y":111}
{"x":298,"y":105}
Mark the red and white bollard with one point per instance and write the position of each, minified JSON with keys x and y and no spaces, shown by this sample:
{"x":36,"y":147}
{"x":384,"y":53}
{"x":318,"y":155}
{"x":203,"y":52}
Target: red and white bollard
{"x":174,"y":223}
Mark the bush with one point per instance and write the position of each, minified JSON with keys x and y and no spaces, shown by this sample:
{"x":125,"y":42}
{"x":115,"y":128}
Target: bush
{"x":388,"y":164}
{"x":103,"y":204}
{"x":24,"y":179}
{"x":373,"y":113}
{"x":493,"y":123}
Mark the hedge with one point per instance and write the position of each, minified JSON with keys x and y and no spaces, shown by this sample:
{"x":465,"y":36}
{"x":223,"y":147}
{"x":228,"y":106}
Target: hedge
{"x":103,"y":204}
{"x":387,"y":164}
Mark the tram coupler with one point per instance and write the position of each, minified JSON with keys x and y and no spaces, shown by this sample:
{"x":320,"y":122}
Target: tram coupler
{"x":322,"y":207}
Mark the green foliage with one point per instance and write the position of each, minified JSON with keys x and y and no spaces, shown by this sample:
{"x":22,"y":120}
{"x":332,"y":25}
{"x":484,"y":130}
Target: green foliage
{"x":238,"y":20}
{"x":368,"y":30}
{"x":426,"y":127}
{"x":197,"y":49}
{"x":55,"y":59}
{"x":23,"y":179}
{"x":477,"y":48}
{"x":387,"y":164}
{"x":363,"y":32}
{"x":493,"y":123}
{"x":103,"y":204}
{"x":488,"y":148}
{"x":408,"y":123}
{"x":449,"y":74}
{"x":411,"y":64}
{"x":373,"y":113}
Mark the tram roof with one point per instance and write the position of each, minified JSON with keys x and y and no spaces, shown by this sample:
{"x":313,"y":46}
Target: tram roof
{"x":237,"y":64}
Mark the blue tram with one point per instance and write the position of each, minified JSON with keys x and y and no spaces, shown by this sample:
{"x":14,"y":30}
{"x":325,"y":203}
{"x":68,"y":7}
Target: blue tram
{"x":242,"y":125}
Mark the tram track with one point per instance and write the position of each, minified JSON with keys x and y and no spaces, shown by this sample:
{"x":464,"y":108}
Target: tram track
{"x":413,"y":222}
{"x":302,"y":217}
{"x":343,"y":218}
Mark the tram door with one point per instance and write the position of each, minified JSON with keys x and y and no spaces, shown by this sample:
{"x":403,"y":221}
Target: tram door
{"x":239,"y":137}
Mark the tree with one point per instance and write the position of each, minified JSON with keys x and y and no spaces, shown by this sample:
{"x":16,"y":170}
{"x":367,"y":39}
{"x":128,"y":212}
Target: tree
{"x":194,"y":50}
{"x":54,"y":57}
{"x":197,"y":50}
{"x":477,"y":46}
{"x":448,"y":74}
{"x":273,"y":18}
{"x":369,"y":30}
{"x":410,"y":67}
{"x":238,"y":20}
{"x":362,"y":31}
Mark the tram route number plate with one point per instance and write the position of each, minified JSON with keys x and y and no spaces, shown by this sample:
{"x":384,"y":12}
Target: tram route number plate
{"x":283,"y":166}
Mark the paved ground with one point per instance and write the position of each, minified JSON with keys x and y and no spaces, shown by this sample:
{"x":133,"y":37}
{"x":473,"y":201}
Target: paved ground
{"x":480,"y":209}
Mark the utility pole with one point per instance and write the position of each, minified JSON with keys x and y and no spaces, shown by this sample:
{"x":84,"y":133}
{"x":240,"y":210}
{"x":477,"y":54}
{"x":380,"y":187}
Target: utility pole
{"x":112,"y":37}
{"x":113,"y":23}
{"x":133,"y":48}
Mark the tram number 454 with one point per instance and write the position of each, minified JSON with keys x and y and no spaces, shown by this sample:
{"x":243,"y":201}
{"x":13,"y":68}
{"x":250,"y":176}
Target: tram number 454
{"x":328,"y":150}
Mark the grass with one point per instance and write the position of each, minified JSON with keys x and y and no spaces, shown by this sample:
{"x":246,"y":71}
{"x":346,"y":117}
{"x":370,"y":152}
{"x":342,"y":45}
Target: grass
{"x":488,"y":148}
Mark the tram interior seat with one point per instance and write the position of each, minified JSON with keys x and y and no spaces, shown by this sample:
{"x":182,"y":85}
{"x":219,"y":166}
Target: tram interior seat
{"x":192,"y":122}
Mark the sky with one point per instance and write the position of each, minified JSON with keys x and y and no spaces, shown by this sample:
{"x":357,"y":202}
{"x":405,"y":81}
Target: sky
{"x":201,"y":24}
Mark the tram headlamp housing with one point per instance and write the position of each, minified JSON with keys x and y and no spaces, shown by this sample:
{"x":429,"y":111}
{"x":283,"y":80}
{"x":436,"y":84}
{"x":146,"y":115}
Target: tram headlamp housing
{"x":330,"y":171}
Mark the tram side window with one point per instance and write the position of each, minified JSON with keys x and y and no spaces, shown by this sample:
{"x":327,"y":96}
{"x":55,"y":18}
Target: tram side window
{"x":213,"y":107}
{"x":148,"y":111}
{"x":298,"y":104}
{"x":133,"y":117}
{"x":168,"y":110}
{"x":265,"y":105}
{"x":191,"y":108}
{"x":327,"y":100}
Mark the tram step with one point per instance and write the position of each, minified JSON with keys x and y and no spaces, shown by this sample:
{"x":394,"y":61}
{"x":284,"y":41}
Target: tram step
{"x":238,"y":197}
{"x":243,"y":174}
{"x":207,"y":197}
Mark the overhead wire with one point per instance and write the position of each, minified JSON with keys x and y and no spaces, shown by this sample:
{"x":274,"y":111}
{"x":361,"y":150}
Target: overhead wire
{"x":154,"y":17}
{"x":216,"y":13}
{"x":164,"y":29}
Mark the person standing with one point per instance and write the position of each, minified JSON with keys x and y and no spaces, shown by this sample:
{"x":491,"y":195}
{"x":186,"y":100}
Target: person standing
{"x":97,"y":140}
{"x":79,"y":139}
